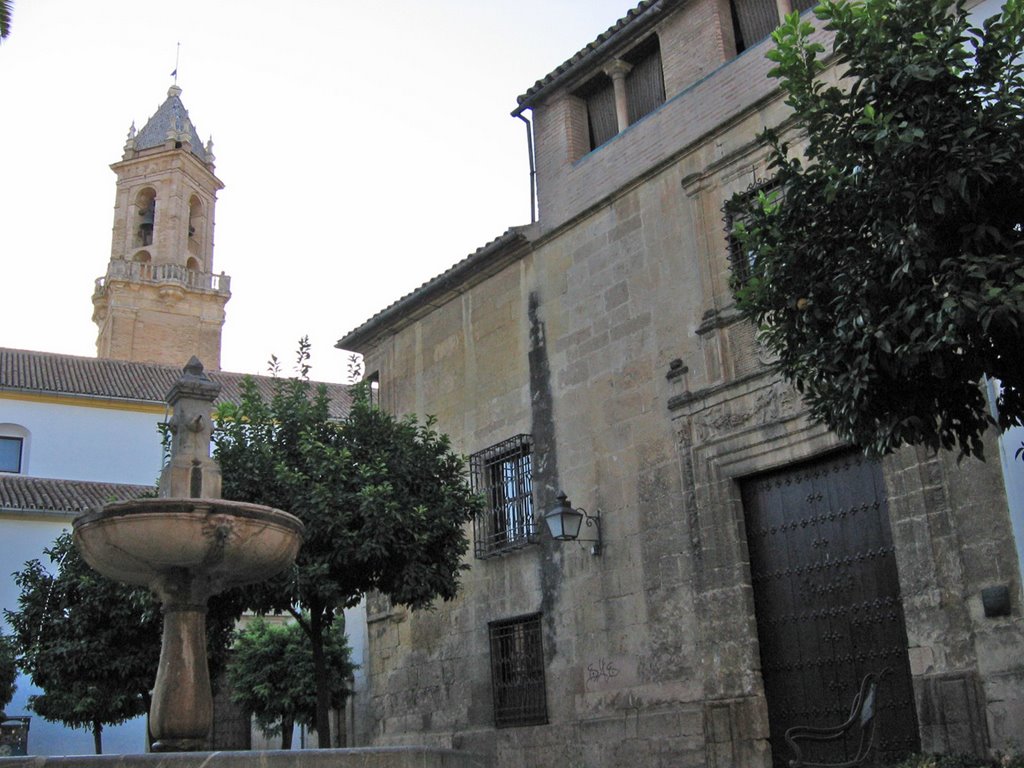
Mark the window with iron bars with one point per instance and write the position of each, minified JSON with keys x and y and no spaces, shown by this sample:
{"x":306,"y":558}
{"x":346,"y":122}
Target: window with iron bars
{"x":741,"y":260}
{"x":503,"y":474}
{"x":517,"y":672}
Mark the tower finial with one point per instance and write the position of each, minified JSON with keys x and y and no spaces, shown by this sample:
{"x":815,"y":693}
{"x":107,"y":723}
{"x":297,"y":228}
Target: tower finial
{"x":177,"y":54}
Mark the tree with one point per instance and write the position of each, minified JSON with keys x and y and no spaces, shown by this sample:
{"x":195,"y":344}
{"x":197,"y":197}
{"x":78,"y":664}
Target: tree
{"x":271,"y":675}
{"x":5,"y":18}
{"x":886,"y":264}
{"x":91,"y":644}
{"x":384,"y":502}
{"x":8,"y":670}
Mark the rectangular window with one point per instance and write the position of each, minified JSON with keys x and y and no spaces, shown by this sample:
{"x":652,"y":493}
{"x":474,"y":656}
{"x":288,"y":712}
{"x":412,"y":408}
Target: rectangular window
{"x":741,"y":260}
{"x":602,"y":122}
{"x":644,"y":89}
{"x":374,"y":392}
{"x":503,"y":474}
{"x":753,"y":21}
{"x":645,"y":85}
{"x":10,"y":454}
{"x":517,"y":672}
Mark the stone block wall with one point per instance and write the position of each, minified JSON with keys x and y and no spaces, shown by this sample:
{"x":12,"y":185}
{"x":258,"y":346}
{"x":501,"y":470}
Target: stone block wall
{"x":614,"y":343}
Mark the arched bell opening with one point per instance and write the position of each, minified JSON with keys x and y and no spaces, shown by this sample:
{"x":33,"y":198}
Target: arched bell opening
{"x":196,"y":226}
{"x":145,"y":204}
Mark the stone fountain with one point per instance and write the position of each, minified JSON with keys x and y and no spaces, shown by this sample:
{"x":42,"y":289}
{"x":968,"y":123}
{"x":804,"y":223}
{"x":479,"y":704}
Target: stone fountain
{"x":187,"y":545}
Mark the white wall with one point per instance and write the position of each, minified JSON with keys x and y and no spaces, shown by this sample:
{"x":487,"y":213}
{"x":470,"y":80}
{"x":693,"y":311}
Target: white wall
{"x":1013,"y":479}
{"x":24,"y":540}
{"x":72,"y":442}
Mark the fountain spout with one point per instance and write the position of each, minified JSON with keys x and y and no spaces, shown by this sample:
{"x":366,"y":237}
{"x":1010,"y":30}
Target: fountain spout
{"x":191,"y":473}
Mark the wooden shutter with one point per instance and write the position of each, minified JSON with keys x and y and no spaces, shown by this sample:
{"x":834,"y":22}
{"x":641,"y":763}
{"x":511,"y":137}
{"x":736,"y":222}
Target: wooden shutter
{"x":645,"y":86}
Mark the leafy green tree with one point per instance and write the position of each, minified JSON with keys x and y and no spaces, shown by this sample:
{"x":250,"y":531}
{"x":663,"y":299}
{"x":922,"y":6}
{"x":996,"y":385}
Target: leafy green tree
{"x":270,"y":673}
{"x":91,"y":644}
{"x":6,"y":6}
{"x":384,"y":501}
{"x":886,"y":266}
{"x":8,"y":670}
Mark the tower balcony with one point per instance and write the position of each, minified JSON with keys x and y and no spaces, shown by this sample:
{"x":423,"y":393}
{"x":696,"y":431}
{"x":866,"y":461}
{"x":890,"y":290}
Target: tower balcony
{"x":172,"y":277}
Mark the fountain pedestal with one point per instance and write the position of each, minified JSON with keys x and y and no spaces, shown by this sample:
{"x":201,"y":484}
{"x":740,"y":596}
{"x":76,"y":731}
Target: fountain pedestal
{"x":187,"y":545}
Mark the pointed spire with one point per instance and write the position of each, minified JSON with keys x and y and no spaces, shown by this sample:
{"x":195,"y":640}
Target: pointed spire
{"x":171,"y":123}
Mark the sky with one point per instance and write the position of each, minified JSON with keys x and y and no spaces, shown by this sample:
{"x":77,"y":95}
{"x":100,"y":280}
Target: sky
{"x":365,"y":147}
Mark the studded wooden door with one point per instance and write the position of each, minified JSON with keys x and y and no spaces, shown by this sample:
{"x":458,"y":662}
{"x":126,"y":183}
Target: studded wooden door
{"x":826,"y":595}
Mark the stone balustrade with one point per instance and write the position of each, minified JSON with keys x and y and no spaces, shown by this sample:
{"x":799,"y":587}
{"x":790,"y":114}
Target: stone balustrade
{"x":174,"y":274}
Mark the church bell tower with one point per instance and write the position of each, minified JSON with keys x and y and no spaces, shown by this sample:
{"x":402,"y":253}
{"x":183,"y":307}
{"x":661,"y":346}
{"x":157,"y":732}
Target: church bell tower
{"x":160,"y":300}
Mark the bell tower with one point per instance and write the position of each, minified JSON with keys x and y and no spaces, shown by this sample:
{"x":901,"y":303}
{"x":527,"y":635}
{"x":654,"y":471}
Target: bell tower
{"x":160,"y":300}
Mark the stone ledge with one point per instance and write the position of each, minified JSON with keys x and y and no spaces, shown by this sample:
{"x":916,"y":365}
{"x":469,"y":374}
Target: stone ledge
{"x":363,"y":757}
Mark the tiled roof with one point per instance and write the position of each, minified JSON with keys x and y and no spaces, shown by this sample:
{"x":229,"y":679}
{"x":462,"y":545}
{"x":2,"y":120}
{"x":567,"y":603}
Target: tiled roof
{"x":635,"y":21}
{"x":509,"y":242}
{"x":41,"y":494}
{"x":171,"y":115}
{"x":49,"y":373}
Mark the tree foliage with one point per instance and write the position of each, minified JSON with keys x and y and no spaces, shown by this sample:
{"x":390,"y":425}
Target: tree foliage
{"x":271,"y":674}
{"x":6,"y":6}
{"x":91,"y":644}
{"x":886,"y":268}
{"x":384,"y":501}
{"x":8,"y":670}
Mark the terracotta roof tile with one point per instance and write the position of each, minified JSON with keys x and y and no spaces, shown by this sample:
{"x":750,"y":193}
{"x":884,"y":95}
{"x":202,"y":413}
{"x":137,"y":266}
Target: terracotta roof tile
{"x":51,"y":373}
{"x":41,"y":494}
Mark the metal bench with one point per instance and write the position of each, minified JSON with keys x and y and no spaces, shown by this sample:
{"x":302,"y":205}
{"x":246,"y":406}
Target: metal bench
{"x":862,"y":717}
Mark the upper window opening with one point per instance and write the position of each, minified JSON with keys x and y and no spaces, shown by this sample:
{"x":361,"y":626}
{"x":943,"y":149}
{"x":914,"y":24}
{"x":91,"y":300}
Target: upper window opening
{"x":631,"y":87}
{"x":146,"y":205}
{"x":645,"y":83}
{"x":599,"y":96}
{"x":373,"y":392}
{"x":10,"y":454}
{"x":195,"y":224}
{"x":503,"y":474}
{"x":754,"y":20}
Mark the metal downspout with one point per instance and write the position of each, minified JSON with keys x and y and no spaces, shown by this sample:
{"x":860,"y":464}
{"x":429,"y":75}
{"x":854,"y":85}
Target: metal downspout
{"x":533,"y":168}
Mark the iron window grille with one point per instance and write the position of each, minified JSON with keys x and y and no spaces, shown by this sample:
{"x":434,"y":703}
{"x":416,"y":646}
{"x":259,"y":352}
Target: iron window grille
{"x":517,"y":672}
{"x":10,"y":454}
{"x":503,"y":474}
{"x":741,"y":261}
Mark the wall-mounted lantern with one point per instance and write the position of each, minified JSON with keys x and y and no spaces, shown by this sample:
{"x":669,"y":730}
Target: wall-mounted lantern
{"x":564,"y":523}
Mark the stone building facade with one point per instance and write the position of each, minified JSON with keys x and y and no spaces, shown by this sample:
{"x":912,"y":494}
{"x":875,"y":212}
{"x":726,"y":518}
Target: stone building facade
{"x":753,"y":568}
{"x":160,"y":301}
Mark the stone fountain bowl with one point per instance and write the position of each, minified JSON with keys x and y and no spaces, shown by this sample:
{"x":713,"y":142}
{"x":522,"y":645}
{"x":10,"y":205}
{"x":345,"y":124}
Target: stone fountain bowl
{"x":227,"y":542}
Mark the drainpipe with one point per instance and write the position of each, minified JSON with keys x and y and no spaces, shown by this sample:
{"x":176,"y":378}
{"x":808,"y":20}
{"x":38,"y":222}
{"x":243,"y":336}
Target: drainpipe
{"x":533,"y":167}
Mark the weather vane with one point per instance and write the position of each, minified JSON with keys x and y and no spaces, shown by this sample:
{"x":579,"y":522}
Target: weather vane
{"x":177,"y":53}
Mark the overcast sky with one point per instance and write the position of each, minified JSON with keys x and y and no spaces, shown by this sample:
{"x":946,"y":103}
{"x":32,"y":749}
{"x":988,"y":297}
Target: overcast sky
{"x":365,"y":148}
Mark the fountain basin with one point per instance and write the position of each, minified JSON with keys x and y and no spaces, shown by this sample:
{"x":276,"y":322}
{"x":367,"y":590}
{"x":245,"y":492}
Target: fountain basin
{"x":186,"y":550}
{"x":226,"y":543}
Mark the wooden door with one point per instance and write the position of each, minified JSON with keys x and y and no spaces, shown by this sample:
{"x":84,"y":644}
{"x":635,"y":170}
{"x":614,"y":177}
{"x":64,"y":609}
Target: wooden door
{"x":827,"y":600}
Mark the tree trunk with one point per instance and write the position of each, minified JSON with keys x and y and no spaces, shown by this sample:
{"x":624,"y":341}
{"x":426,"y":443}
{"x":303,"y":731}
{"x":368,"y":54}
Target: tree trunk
{"x":287,"y":726}
{"x":323,"y":692}
{"x":97,"y":736}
